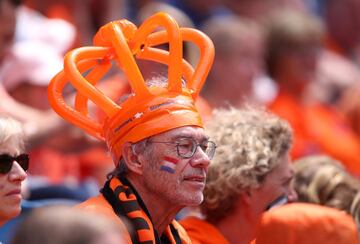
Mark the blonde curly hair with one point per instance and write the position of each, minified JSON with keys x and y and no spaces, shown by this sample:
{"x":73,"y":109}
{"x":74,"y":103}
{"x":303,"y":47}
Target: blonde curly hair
{"x":323,"y":180}
{"x":250,"y":143}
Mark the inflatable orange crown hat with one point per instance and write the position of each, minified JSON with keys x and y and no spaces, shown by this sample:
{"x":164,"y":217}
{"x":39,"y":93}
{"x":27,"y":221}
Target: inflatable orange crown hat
{"x":148,"y":110}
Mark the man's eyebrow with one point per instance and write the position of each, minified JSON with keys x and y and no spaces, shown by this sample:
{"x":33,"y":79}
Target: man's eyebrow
{"x":180,"y":136}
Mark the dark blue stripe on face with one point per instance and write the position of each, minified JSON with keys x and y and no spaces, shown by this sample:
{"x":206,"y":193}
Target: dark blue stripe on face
{"x":167,"y":169}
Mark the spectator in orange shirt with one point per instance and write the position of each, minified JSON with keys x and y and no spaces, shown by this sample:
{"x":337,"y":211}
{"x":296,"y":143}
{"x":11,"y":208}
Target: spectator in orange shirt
{"x":302,"y":223}
{"x":239,"y":44}
{"x":250,"y":174}
{"x":293,"y":45}
{"x":323,"y":180}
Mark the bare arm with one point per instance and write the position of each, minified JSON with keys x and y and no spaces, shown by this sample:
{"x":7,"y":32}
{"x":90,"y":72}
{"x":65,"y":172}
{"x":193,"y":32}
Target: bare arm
{"x":37,"y":124}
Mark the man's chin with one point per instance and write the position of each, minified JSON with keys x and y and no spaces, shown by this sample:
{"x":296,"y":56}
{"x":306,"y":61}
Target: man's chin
{"x":195,"y":200}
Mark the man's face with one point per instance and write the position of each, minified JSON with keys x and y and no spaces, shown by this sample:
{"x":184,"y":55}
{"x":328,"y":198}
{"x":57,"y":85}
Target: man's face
{"x":176,"y":180}
{"x":275,"y":185}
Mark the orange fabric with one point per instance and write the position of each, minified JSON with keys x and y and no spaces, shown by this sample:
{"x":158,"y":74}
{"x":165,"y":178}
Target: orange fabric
{"x":302,"y":223}
{"x":331,"y":45}
{"x":57,"y":166}
{"x":95,"y":163}
{"x":53,"y":9}
{"x":95,"y":157}
{"x":53,"y":165}
{"x":202,"y":232}
{"x":204,"y":108}
{"x":319,"y":128}
{"x":116,"y":86}
{"x":99,"y":205}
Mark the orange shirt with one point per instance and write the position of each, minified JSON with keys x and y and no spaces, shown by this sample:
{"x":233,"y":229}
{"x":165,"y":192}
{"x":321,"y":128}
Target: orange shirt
{"x":99,"y":205}
{"x":58,"y":166}
{"x":301,"y":223}
{"x":54,"y":165}
{"x":319,"y":129}
{"x":202,"y":232}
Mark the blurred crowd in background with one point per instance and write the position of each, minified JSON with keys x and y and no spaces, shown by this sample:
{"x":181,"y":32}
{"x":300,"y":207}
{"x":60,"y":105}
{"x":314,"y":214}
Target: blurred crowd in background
{"x":298,"y":58}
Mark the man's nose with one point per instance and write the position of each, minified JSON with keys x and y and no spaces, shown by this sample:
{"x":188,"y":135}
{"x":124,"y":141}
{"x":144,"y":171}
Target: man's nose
{"x":17,"y":173}
{"x":200,"y":159}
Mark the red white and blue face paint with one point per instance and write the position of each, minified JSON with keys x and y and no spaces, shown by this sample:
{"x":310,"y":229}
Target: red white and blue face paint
{"x":169,"y":164}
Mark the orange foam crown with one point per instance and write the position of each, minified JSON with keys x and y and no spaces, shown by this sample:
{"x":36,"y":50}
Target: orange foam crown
{"x":148,"y":110}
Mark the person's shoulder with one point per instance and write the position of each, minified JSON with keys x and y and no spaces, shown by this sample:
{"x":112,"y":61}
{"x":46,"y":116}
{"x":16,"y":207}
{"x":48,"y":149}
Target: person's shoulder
{"x":93,"y":203}
{"x":99,"y":205}
{"x":194,"y":224}
{"x":202,"y":232}
{"x":191,"y":221}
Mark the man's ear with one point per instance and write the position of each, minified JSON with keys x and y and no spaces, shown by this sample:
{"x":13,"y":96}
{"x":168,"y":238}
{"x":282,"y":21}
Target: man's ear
{"x":131,"y":159}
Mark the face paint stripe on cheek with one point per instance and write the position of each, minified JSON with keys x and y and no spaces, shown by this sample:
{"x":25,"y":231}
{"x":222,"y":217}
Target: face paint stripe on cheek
{"x":169,"y":164}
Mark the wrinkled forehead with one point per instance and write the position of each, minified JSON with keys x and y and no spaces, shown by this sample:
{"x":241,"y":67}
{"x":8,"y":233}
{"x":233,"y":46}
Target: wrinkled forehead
{"x":193,"y":132}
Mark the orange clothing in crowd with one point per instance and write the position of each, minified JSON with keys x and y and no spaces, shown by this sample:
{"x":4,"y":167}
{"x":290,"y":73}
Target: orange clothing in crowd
{"x":202,"y":232}
{"x":53,"y":165}
{"x":58,"y":167}
{"x":319,"y":129}
{"x":55,"y":9}
{"x":100,"y":205}
{"x":302,"y":223}
{"x":331,"y":45}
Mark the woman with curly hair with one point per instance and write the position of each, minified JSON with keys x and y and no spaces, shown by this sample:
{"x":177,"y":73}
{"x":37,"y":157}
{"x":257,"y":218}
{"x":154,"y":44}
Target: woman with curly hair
{"x":250,"y":174}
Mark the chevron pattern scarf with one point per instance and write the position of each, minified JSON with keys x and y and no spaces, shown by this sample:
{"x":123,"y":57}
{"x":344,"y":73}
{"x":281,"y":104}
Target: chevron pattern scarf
{"x":129,"y":207}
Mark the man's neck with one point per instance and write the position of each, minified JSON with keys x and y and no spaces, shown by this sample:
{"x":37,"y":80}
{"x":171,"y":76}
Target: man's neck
{"x":161,"y":212}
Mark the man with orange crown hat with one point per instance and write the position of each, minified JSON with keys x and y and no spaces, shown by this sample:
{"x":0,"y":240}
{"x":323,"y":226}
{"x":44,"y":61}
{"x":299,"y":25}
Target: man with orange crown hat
{"x":155,"y":134}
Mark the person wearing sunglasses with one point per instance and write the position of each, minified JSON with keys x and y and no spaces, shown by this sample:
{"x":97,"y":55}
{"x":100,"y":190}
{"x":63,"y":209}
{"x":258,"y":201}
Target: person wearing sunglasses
{"x":249,"y":175}
{"x":13,"y":166}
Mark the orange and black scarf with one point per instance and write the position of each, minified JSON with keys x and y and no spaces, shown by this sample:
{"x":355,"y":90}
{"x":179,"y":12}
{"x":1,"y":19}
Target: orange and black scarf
{"x":128,"y":205}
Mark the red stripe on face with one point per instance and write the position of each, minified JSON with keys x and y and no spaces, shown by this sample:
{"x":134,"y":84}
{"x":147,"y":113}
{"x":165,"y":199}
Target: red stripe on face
{"x":171,"y":160}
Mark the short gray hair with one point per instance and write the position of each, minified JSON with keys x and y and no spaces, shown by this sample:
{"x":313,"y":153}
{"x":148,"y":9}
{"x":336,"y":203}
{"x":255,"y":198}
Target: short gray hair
{"x":121,"y":169}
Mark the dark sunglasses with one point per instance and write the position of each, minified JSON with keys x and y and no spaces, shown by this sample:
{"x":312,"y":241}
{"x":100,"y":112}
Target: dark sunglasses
{"x":6,"y":162}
